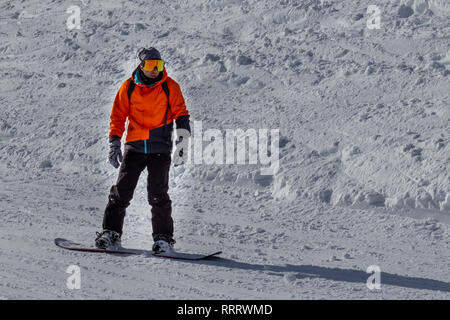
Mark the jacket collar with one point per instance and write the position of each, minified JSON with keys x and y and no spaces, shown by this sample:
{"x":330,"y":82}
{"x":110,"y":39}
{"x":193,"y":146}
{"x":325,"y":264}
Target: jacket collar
{"x":138,"y":81}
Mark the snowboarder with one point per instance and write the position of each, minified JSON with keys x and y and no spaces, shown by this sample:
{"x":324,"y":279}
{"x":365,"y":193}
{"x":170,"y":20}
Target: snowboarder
{"x":151,"y":101}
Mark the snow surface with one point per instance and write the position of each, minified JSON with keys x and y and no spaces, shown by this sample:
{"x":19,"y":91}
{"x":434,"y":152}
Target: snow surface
{"x":364,"y":173}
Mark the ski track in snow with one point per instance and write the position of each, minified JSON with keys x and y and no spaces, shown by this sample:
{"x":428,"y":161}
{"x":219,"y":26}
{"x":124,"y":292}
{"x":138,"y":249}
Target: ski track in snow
{"x":364,"y":154}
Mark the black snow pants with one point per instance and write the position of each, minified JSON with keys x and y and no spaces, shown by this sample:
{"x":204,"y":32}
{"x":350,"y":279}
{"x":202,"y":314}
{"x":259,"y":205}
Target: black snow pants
{"x":158,"y":165}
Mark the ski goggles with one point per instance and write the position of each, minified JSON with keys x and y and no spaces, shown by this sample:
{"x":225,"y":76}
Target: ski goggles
{"x":150,"y":65}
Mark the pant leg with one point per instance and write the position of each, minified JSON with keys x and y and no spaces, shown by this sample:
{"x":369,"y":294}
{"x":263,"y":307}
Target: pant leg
{"x":122,"y":192}
{"x":158,"y":197}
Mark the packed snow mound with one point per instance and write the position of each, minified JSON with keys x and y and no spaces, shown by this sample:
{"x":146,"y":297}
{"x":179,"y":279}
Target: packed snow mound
{"x":357,"y":101}
{"x":410,"y":7}
{"x":363,"y":113}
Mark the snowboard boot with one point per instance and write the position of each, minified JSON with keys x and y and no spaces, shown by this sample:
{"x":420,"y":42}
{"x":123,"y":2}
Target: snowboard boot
{"x":107,"y":239}
{"x":163,"y":245}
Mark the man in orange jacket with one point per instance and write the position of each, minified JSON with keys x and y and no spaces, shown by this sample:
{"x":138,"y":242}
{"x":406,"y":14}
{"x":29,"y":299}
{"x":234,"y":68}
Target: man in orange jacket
{"x":151,"y":101}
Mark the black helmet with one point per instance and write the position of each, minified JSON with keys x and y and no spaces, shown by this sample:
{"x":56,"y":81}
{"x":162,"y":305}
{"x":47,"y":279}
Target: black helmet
{"x":149,"y":54}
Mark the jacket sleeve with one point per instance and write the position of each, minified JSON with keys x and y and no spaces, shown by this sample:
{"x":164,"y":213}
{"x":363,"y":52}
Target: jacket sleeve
{"x":178,"y":108}
{"x":120,"y":109}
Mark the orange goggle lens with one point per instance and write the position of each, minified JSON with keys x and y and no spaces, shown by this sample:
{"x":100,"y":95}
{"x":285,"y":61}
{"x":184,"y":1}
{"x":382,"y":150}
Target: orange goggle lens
{"x":150,"y":65}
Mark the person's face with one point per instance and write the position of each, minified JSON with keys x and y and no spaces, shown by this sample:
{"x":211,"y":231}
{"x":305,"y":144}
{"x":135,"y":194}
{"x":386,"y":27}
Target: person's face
{"x":151,"y":74}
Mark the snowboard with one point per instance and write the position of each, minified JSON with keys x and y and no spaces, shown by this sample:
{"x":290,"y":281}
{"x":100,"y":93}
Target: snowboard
{"x":70,"y":245}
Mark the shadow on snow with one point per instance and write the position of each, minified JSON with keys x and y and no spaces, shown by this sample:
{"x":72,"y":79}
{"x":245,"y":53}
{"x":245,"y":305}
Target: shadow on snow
{"x":335,"y":274}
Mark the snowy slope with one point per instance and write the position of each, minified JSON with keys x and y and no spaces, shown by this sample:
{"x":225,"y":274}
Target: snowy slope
{"x":364,"y":173}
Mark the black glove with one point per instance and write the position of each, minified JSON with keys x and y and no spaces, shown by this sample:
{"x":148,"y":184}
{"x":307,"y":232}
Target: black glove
{"x":115,"y":155}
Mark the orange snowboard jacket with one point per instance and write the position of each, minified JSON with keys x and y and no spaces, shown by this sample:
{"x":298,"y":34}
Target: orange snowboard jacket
{"x":149,"y":131}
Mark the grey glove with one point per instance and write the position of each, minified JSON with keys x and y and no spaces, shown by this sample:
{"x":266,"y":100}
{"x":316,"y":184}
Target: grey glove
{"x":115,"y":155}
{"x":182,"y":146}
{"x":178,"y":156}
